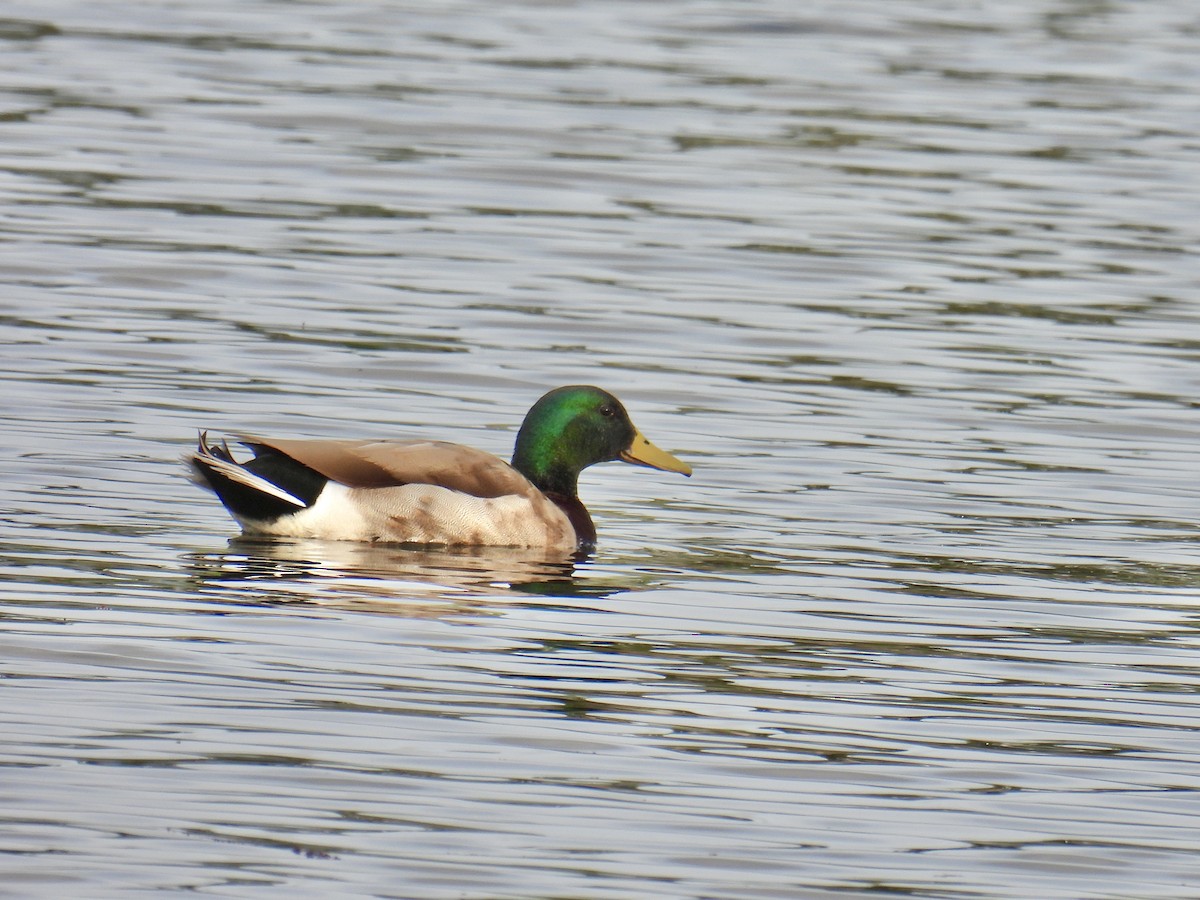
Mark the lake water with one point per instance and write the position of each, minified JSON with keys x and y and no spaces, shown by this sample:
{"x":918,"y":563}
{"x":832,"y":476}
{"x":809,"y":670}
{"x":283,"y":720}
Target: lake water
{"x":913,"y":286}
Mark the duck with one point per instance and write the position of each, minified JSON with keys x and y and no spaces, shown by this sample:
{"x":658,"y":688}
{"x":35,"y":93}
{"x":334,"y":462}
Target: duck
{"x":433,"y":492}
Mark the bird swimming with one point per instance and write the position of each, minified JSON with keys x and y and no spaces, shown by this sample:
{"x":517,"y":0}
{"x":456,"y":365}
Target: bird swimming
{"x":434,"y":492}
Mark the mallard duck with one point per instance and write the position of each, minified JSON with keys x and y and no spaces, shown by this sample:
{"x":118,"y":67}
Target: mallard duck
{"x":433,"y":492}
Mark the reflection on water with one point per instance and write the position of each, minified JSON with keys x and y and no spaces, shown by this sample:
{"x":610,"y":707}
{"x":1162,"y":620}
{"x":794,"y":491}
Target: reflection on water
{"x":390,"y":576}
{"x":913,"y":282}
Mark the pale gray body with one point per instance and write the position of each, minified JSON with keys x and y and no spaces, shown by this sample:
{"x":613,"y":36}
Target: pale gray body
{"x":422,"y":492}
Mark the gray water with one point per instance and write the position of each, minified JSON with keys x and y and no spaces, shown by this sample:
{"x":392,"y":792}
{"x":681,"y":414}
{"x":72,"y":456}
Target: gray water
{"x":913,"y":285}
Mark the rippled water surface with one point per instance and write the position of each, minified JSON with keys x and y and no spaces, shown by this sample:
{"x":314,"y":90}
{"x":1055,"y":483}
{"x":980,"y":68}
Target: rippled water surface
{"x":913,"y":286}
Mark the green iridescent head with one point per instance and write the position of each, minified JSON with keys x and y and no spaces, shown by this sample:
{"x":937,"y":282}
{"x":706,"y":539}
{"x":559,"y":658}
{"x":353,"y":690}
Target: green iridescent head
{"x":574,"y":427}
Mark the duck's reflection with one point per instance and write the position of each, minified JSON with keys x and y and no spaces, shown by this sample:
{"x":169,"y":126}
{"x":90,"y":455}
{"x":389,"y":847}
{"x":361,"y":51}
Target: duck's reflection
{"x":399,"y":577}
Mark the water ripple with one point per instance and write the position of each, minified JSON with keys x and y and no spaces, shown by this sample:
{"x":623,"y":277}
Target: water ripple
{"x":910,"y":286}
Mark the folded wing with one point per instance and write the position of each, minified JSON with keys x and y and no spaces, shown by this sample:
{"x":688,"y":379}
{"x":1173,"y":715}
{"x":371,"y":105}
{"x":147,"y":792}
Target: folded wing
{"x":377,"y":464}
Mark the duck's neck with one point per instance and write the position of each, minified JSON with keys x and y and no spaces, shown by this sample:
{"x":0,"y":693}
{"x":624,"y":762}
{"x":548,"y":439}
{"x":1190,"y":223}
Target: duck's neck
{"x":560,"y":485}
{"x":543,"y":464}
{"x":577,"y":515}
{"x":559,"y":482}
{"x":552,"y":464}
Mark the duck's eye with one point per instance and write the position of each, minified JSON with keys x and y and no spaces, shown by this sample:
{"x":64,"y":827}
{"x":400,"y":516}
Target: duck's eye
{"x":608,"y":411}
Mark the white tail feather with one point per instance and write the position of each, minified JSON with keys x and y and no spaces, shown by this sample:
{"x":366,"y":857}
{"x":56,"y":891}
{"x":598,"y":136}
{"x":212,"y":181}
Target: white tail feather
{"x":234,"y":472}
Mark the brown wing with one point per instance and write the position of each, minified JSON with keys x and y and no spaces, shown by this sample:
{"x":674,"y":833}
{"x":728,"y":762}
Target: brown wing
{"x":374,"y":464}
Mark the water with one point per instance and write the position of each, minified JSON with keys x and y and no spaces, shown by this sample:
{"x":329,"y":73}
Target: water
{"x":909,"y":284}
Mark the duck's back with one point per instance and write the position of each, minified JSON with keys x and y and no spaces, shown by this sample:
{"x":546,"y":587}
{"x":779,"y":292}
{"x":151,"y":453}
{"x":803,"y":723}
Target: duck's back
{"x":378,"y":464}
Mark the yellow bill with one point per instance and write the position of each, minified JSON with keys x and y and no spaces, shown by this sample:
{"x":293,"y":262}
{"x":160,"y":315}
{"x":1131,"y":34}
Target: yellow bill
{"x":643,"y":453}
